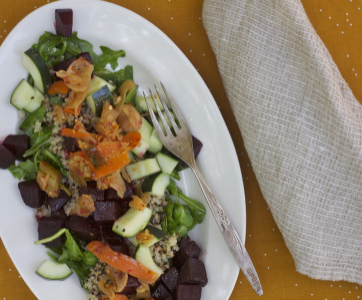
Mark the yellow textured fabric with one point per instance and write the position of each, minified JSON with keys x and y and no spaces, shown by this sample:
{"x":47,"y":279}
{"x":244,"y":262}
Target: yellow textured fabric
{"x":339,"y":25}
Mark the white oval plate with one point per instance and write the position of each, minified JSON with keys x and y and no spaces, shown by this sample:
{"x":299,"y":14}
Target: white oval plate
{"x":154,"y":58}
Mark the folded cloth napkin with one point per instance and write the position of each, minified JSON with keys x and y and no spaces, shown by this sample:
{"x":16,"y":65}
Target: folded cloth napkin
{"x":301,"y":125}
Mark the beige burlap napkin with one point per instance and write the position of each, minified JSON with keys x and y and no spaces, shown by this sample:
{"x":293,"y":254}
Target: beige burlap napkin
{"x":301,"y":125}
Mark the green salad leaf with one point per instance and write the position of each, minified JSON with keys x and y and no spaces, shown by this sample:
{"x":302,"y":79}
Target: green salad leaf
{"x":118,"y":77}
{"x":109,"y":56}
{"x":39,"y":140}
{"x":28,"y":124}
{"x":26,"y":170}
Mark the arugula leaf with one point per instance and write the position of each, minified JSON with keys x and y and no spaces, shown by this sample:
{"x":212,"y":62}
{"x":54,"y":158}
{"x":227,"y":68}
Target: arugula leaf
{"x":109,"y":56}
{"x":75,"y":46}
{"x":39,"y":140}
{"x":89,"y":258}
{"x":54,"y":160}
{"x":28,"y":124}
{"x":26,"y":170}
{"x":51,"y":48}
{"x":75,"y":254}
{"x":118,"y":77}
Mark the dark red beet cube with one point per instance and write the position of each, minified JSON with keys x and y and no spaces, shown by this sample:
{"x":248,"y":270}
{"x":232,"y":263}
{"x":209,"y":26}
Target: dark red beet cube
{"x":92,"y":190}
{"x":64,"y":22}
{"x":183,"y":241}
{"x":193,"y":272}
{"x":120,"y":249}
{"x":84,"y":228}
{"x":7,"y":158}
{"x":70,"y":144}
{"x":17,"y":144}
{"x":48,"y":227}
{"x":190,"y":250}
{"x":56,"y":203}
{"x":107,"y":211}
{"x":63,"y":65}
{"x":169,"y":279}
{"x":188,"y":292}
{"x":31,"y":193}
{"x":131,"y":287}
{"x":111,"y":237}
{"x":159,"y":292}
{"x":111,"y":194}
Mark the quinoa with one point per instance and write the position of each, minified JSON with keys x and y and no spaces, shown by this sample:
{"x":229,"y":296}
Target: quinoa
{"x":37,"y":126}
{"x":98,"y":272}
{"x":21,"y":114}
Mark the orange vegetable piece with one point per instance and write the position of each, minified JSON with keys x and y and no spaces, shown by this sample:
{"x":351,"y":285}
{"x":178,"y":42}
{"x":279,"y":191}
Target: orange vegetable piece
{"x":58,"y":87}
{"x":132,"y":138}
{"x":74,"y":134}
{"x":122,"y":262}
{"x":117,"y":161}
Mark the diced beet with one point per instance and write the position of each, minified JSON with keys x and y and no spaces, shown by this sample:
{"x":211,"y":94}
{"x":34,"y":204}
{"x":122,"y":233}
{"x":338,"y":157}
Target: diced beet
{"x":64,"y":22}
{"x":193,"y":272}
{"x":159,"y":292}
{"x":169,"y":298}
{"x":31,"y":193}
{"x":111,"y":194}
{"x":107,"y":211}
{"x":120,"y":249}
{"x":17,"y":144}
{"x":84,"y":228}
{"x":131,"y":287}
{"x":92,"y":190}
{"x":184,"y":241}
{"x":188,"y":292}
{"x":6,"y":157}
{"x":170,"y":278}
{"x":70,"y":144}
{"x":190,"y":250}
{"x":86,"y":55}
{"x":48,"y":227}
{"x":111,"y":237}
{"x":60,"y":214}
{"x":58,"y":202}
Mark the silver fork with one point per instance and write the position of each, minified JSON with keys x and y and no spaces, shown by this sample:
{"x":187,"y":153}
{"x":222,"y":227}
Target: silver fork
{"x":181,"y":146}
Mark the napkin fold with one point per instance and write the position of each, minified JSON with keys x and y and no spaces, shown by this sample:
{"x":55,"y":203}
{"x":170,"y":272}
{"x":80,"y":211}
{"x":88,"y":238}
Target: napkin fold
{"x":301,"y":125}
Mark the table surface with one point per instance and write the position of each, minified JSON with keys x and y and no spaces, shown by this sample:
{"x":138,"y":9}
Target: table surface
{"x":339,"y":24}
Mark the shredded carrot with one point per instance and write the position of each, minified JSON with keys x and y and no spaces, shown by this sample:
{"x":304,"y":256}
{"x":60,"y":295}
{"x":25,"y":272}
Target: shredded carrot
{"x":122,"y":262}
{"x":74,"y":134}
{"x":58,"y":87}
{"x":132,"y":139}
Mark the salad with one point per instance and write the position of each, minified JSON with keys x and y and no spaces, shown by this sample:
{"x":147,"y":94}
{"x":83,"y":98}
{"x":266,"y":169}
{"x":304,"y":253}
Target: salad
{"x":98,"y":177}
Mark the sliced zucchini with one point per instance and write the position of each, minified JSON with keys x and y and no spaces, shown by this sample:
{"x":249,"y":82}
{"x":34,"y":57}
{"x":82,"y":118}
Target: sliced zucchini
{"x":143,"y":255}
{"x":97,"y":99}
{"x":132,"y":222}
{"x":97,"y":83}
{"x":36,"y":101}
{"x":141,"y":106}
{"x":155,"y":143}
{"x":53,"y":270}
{"x":167,"y":163}
{"x":145,"y":131}
{"x":157,"y":236}
{"x":22,"y":95}
{"x":131,"y":94}
{"x":143,"y":168}
{"x":156,"y":184}
{"x":38,"y":69}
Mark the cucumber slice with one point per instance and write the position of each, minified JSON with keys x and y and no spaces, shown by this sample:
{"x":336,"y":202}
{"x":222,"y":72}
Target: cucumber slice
{"x":97,"y":83}
{"x":97,"y":99}
{"x":38,"y":69}
{"x":157,"y":236}
{"x":141,"y":106}
{"x":22,"y":95}
{"x":145,"y":131}
{"x":143,"y":168}
{"x":143,"y":255}
{"x":155,"y":143}
{"x":167,"y":163}
{"x":156,"y":184}
{"x":53,"y":270}
{"x":132,"y":222}
{"x":36,"y":102}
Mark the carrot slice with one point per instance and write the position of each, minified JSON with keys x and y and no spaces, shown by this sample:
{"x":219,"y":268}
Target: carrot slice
{"x":121,"y":262}
{"x":74,"y":134}
{"x":58,"y":87}
{"x":132,"y":138}
{"x":117,"y":162}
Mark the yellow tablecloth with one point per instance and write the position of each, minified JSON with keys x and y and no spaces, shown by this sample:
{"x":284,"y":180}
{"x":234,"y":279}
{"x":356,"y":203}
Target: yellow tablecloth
{"x":339,"y":25}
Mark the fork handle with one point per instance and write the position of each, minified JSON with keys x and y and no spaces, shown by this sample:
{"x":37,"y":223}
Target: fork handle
{"x":230,"y":235}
